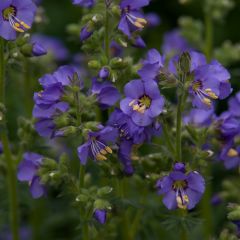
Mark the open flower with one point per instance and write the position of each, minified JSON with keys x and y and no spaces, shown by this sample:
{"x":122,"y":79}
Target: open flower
{"x":28,"y":172}
{"x":132,"y":19}
{"x":143,"y":101}
{"x":180,"y":189}
{"x":15,"y":16}
{"x":97,"y":147}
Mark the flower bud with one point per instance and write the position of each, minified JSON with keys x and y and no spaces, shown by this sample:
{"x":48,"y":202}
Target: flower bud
{"x":94,"y":64}
{"x":185,"y":62}
{"x":104,"y":73}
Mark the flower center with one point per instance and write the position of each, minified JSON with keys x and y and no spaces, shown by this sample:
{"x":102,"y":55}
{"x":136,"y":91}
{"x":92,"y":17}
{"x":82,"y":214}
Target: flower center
{"x":141,"y":104}
{"x":99,"y":149}
{"x":181,"y":197}
{"x":9,"y":14}
{"x":206,"y":95}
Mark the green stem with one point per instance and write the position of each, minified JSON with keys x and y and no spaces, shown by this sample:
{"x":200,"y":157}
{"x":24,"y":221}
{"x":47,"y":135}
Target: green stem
{"x":11,"y":171}
{"x":208,"y":36}
{"x":107,"y":40}
{"x":27,"y":89}
{"x":168,"y":138}
{"x":78,"y":109}
{"x":81,"y":176}
{"x":179,"y":129}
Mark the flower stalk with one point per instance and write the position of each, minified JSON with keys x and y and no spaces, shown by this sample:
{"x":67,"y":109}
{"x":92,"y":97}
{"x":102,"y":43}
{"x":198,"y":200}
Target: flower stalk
{"x":11,"y":172}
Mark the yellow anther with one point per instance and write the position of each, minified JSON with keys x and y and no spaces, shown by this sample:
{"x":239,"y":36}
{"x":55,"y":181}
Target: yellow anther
{"x":142,"y":109}
{"x":186,"y":199}
{"x":211,"y":93}
{"x":232,"y":153}
{"x":17,"y":25}
{"x":180,"y":203}
{"x":100,"y":157}
{"x":138,"y":24}
{"x":141,"y":20}
{"x":25,"y":25}
{"x":103,"y":151}
{"x":18,"y":29}
{"x":207,"y":101}
{"x":108,"y":149}
{"x":136,"y":107}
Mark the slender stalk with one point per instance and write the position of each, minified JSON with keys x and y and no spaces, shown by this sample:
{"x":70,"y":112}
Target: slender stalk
{"x":11,"y":172}
{"x":107,"y":39}
{"x":81,"y":176}
{"x":208,"y":36}
{"x":179,"y":129}
{"x":168,"y":138}
{"x":27,"y":89}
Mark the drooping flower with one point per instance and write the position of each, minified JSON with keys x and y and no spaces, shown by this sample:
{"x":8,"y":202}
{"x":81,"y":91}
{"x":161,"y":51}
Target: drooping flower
{"x":38,"y":50}
{"x":53,"y":46}
{"x":28,"y":172}
{"x":143,"y":101}
{"x":199,"y":117}
{"x":230,"y":155}
{"x":174,"y":43}
{"x":104,"y":73}
{"x":180,"y":189}
{"x":130,"y":134}
{"x":107,"y":95}
{"x":49,"y":103}
{"x":132,"y":19}
{"x":15,"y":16}
{"x":100,"y":215}
{"x":84,"y":3}
{"x":97,"y":146}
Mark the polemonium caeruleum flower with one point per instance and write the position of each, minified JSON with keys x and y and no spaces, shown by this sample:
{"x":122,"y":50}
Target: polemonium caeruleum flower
{"x":104,"y":73}
{"x":97,"y":146}
{"x":132,"y":19}
{"x":100,"y":215}
{"x":86,"y":32}
{"x":129,"y":135}
{"x":174,"y":42}
{"x":53,"y":46}
{"x":143,"y":101}
{"x":234,"y":105}
{"x":15,"y":16}
{"x":181,"y":189}
{"x":107,"y":95}
{"x":49,"y":103}
{"x":84,"y":3}
{"x":38,"y":50}
{"x":28,"y":172}
{"x":230,"y":155}
{"x":210,"y":81}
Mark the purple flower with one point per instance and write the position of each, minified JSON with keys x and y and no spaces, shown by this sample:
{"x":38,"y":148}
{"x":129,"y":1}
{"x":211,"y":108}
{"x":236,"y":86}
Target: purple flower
{"x":49,"y":103}
{"x":38,"y":50}
{"x":211,"y":82}
{"x":138,"y":42}
{"x":107,"y":95}
{"x":85,"y":33}
{"x":28,"y":172}
{"x":100,"y":215}
{"x":143,"y":101}
{"x":174,"y":42}
{"x":151,"y":65}
{"x":229,"y":125}
{"x":104,"y":73}
{"x":181,"y":189}
{"x":199,"y":117}
{"x":97,"y":145}
{"x":132,"y":19}
{"x":234,"y":104}
{"x":153,"y":19}
{"x":53,"y":46}
{"x":230,"y":155}
{"x":84,"y":3}
{"x":15,"y":16}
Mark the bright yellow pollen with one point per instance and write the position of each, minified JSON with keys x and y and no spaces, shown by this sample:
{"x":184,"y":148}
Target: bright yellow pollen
{"x":100,"y":157}
{"x":25,"y":25}
{"x":140,"y":22}
{"x":108,"y":149}
{"x":211,"y":94}
{"x":232,"y":153}
{"x":207,"y":101}
{"x":103,"y":151}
